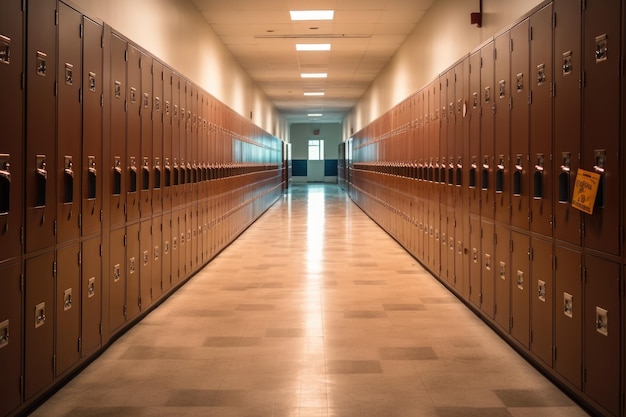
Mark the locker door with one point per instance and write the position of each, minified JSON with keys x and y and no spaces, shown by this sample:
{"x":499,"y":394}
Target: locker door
{"x":451,"y":138}
{"x":91,"y":282}
{"x":520,"y":114}
{"x":183,"y":243}
{"x":41,"y":170}
{"x":502,"y":270}
{"x":67,"y":308}
{"x":436,"y":184}
{"x":39,"y":324}
{"x":133,"y":138}
{"x":602,"y":332}
{"x":157,"y":258}
{"x":117,"y":277}
{"x":567,"y":108}
{"x":117,"y":155}
{"x":486,"y":168}
{"x":487,"y":285}
{"x":568,"y":315}
{"x":451,"y":247}
{"x":601,"y":122}
{"x":157,"y":137}
{"x":133,"y":265}
{"x":167,"y":253}
{"x":475,"y":261}
{"x":194,"y":237}
{"x":475,"y":163}
{"x":176,"y":155}
{"x":11,"y":149}
{"x":502,"y":120}
{"x":146,"y":181}
{"x":520,"y":288}
{"x":168,"y":109}
{"x":541,"y":300}
{"x":10,"y":337}
{"x":69,"y":134}
{"x":175,"y":248}
{"x":145,"y":269}
{"x":92,"y":161}
{"x":186,"y":140}
{"x":541,"y":88}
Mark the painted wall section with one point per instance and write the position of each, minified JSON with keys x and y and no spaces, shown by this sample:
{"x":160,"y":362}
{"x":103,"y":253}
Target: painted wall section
{"x":443,"y":36}
{"x":176,"y":32}
{"x":300,"y":134}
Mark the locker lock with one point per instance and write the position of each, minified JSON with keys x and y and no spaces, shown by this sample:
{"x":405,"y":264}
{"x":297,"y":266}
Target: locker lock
{"x":568,"y":305}
{"x":133,"y":175}
{"x":91,"y":287}
{"x":5,"y":184}
{"x":520,"y":82}
{"x":502,"y":272}
{"x":157,"y":173}
{"x":67,"y":299}
{"x":541,"y":74}
{"x":520,"y":279}
{"x":116,"y":272}
{"x":485,"y":173}
{"x":541,"y":290}
{"x":538,"y":177}
{"x":145,"y":183}
{"x":502,"y":89}
{"x":517,"y":176}
{"x":4,"y":333}
{"x":117,"y":176}
{"x":500,"y":174}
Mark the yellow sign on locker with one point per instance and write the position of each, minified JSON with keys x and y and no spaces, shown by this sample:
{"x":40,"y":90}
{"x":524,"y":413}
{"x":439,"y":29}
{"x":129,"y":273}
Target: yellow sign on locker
{"x":585,"y":190}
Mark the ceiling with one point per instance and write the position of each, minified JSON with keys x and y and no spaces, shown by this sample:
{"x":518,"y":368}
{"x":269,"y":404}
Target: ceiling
{"x":364,"y":35}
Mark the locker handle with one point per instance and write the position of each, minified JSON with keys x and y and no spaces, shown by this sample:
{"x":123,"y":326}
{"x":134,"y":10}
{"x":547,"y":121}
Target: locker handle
{"x":564,"y":179}
{"x":5,"y":184}
{"x":538,"y":183}
{"x":92,"y":174}
{"x":451,"y":173}
{"x":4,"y":333}
{"x":41,"y":174}
{"x":117,"y":177}
{"x":132,"y":171}
{"x":472,"y":175}
{"x":145,"y":178}
{"x":459,"y":175}
{"x":500,"y":176}
{"x":168,"y":175}
{"x":442,"y":174}
{"x":175,"y":181}
{"x":485,"y":175}
{"x":68,"y":180}
{"x":599,"y":168}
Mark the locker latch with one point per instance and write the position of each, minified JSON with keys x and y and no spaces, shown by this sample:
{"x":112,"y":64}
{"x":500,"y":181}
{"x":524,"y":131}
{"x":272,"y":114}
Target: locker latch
{"x":602,"y":321}
{"x":520,"y":82}
{"x":166,"y":247}
{"x":131,"y":265}
{"x":68,"y":179}
{"x":4,"y":334}
{"x":91,"y":177}
{"x":488,"y":262}
{"x":502,"y":272}
{"x":132,"y":170}
{"x":5,"y":50}
{"x":502,"y":89}
{"x":602,"y":49}
{"x":117,"y":176}
{"x":145,"y":183}
{"x":568,"y":304}
{"x":500,"y":175}
{"x":157,"y":173}
{"x":451,"y":171}
{"x":487,"y":94}
{"x":41,"y":63}
{"x":175,"y":169}
{"x":564,"y":177}
{"x":40,"y":314}
{"x":116,"y":272}
{"x":520,"y":279}
{"x":69,"y":73}
{"x":168,"y":173}
{"x":538,"y":177}
{"x":92,"y":82}
{"x":517,"y":176}
{"x":541,"y":290}
{"x":67,"y":299}
{"x":485,"y":173}
{"x":459,"y":172}
{"x":117,"y":89}
{"x":5,"y":184}
{"x":41,"y":174}
{"x":541,"y":74}
{"x":599,"y":167}
{"x":472,"y":173}
{"x":91,"y":287}
{"x":567,"y":63}
{"x":474,"y":100}
{"x":157,"y":252}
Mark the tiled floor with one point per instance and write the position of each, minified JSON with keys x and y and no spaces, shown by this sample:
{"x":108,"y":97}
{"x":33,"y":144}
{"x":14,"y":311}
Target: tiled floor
{"x":314,"y":311}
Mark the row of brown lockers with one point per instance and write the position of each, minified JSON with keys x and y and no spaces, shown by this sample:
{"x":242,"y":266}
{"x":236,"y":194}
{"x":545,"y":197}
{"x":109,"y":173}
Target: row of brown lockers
{"x":509,"y":132}
{"x":152,"y":157}
{"x":441,"y":220}
{"x":64,"y":292}
{"x":562,"y":306}
{"x":57,"y":271}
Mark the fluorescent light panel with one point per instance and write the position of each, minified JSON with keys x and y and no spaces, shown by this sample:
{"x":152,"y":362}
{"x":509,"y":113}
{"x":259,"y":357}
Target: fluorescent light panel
{"x":314,"y":93}
{"x":312,"y":14}
{"x":314,"y":75}
{"x":312,"y":47}
{"x":315,"y":114}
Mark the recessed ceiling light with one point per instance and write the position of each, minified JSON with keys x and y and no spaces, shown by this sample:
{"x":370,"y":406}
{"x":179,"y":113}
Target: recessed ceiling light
{"x":315,"y":115}
{"x":312,"y":14}
{"x":314,"y":93}
{"x":312,"y":47}
{"x":314,"y":75}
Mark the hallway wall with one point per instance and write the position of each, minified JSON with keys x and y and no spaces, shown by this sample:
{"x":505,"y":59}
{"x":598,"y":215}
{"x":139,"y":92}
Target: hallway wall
{"x":177,"y":33}
{"x":300,"y":134}
{"x":443,"y":36}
